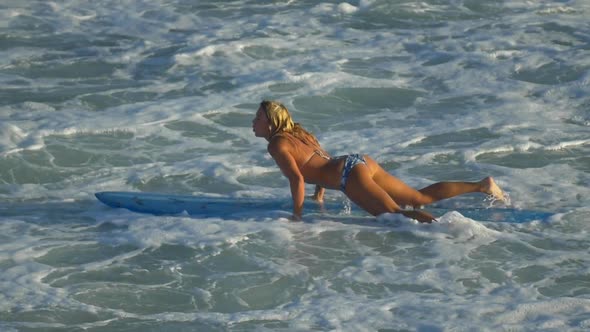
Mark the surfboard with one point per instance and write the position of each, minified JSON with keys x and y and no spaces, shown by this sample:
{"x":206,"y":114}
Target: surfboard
{"x":228,"y":207}
{"x":169,"y":204}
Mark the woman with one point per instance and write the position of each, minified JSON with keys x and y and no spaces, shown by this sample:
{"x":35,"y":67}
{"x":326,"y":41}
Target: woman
{"x":301,"y":159}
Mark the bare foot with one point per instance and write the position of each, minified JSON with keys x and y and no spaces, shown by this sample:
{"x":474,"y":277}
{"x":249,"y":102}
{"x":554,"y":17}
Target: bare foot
{"x":490,"y":187}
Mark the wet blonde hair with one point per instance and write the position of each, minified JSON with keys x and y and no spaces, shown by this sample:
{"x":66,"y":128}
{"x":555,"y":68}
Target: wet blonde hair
{"x":281,"y":123}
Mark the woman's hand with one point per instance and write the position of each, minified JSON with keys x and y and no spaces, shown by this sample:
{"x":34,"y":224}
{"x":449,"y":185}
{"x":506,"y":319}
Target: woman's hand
{"x":420,"y":216}
{"x":296,"y":217}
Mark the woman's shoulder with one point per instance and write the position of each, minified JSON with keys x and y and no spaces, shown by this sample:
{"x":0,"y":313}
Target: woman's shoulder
{"x":280,"y":142}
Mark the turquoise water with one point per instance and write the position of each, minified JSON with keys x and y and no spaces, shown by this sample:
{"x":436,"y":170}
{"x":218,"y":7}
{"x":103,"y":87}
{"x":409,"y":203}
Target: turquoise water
{"x":159,"y":96}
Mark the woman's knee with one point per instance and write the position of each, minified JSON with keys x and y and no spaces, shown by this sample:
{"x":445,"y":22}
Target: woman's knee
{"x":421,"y":199}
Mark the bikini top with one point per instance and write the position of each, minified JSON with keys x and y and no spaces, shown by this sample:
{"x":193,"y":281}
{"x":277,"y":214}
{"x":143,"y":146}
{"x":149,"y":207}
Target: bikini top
{"x":322,"y":154}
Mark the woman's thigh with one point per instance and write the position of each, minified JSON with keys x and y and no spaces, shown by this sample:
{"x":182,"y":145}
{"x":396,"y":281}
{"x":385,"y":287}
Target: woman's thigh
{"x":366,"y":193}
{"x":399,"y":191}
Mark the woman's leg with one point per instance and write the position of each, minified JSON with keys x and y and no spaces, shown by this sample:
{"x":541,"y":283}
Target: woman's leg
{"x":406,"y":195}
{"x":367,"y":194}
{"x":444,"y":190}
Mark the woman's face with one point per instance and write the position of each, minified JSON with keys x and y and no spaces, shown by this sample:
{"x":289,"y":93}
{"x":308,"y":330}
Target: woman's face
{"x":261,"y":124}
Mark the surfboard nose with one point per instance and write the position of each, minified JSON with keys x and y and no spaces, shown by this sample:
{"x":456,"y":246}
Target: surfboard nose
{"x":102,"y":196}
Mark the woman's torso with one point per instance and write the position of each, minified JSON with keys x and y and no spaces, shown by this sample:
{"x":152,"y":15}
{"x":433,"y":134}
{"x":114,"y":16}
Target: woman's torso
{"x":315,"y":165}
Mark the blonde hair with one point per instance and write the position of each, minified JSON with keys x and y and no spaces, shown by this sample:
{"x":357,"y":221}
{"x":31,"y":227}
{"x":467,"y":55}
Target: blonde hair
{"x":281,"y":123}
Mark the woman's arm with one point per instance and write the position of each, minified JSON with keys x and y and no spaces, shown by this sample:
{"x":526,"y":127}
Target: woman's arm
{"x":318,"y":195}
{"x":280,"y":152}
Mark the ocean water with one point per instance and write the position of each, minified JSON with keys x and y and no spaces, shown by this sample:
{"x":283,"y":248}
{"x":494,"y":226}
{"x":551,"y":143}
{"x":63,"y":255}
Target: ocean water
{"x":158,"y":96}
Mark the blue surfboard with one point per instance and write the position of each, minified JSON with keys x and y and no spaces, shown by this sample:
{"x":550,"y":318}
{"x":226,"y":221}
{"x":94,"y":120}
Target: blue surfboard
{"x":227,"y":207}
{"x":170,"y":204}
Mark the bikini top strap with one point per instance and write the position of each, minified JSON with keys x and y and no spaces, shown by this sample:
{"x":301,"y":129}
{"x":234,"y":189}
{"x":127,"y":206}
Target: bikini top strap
{"x":322,"y":154}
